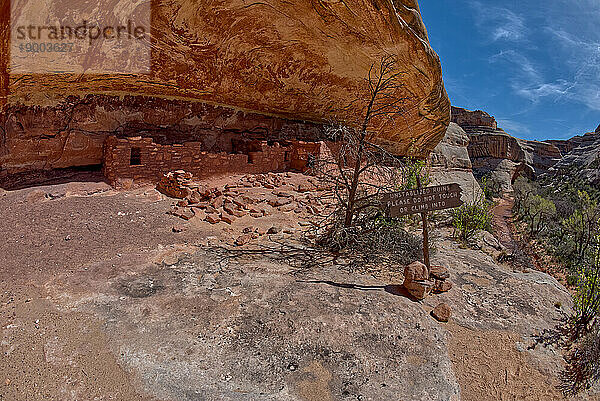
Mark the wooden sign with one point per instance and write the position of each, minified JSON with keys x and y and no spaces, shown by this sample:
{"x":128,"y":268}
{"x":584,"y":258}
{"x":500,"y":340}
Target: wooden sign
{"x":422,"y":200}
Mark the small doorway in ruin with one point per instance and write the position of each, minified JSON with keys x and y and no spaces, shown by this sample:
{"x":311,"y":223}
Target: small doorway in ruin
{"x":135,"y":158}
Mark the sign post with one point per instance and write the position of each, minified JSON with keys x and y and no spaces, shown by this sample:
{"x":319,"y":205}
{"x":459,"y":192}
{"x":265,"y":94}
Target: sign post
{"x":425,"y":232}
{"x":422,"y":200}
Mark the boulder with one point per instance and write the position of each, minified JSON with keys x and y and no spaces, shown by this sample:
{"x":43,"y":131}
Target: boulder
{"x":416,"y":280}
{"x":418,"y":289}
{"x":450,"y":163}
{"x":441,"y":286}
{"x":439,"y":273}
{"x":415,"y":271}
{"x":442,"y":312}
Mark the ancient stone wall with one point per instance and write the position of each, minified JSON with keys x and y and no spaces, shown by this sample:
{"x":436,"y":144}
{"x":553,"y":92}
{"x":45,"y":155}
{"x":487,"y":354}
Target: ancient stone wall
{"x":72,"y":134}
{"x":142,"y":159}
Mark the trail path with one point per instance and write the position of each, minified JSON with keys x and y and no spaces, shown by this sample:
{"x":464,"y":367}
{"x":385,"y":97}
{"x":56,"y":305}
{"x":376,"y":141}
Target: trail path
{"x":502,"y":224}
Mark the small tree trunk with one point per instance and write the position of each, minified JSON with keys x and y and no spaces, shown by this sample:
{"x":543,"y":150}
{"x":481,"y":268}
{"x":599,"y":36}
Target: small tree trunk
{"x":355,"y":181}
{"x":425,"y":232}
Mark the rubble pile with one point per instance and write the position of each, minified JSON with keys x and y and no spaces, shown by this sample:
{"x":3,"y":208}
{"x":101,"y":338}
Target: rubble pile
{"x":256,"y":196}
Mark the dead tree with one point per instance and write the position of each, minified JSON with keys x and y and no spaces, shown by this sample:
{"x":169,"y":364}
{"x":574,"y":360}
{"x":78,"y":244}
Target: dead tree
{"x":355,"y":162}
{"x":356,"y":169}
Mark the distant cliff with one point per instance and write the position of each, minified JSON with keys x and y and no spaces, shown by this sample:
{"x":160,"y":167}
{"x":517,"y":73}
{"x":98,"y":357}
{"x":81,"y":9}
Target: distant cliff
{"x":503,"y":158}
{"x":499,"y":155}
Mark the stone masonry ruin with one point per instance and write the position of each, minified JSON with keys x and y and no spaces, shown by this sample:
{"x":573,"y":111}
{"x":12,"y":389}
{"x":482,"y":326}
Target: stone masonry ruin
{"x":141,"y":159}
{"x":140,"y":139}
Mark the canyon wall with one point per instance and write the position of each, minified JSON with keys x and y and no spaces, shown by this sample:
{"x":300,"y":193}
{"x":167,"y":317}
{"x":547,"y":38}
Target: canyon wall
{"x":500,"y":156}
{"x":581,"y":160}
{"x":214,"y":65}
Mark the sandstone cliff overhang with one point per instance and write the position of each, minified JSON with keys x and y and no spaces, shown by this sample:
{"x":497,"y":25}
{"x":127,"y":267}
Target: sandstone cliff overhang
{"x":300,"y":60}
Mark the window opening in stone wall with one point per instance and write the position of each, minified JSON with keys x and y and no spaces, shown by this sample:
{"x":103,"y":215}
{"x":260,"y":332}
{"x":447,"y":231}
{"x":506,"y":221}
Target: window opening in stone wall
{"x":136,"y":157}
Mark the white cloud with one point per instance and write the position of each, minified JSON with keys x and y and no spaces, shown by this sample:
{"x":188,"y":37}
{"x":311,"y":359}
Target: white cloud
{"x":498,"y":22}
{"x":527,"y":80}
{"x":537,"y":91}
{"x":513,"y":127}
{"x":582,"y":61}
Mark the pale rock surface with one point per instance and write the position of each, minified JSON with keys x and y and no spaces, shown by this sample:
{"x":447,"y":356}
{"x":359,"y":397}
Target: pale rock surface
{"x":450,"y":163}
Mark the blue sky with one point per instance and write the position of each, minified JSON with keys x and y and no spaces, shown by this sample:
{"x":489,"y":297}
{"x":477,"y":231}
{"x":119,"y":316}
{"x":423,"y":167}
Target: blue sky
{"x":533,"y":64}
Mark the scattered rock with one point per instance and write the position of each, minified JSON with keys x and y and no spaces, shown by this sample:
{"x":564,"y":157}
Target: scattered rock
{"x":35,"y":196}
{"x":243,"y":239}
{"x":177,"y":228}
{"x":279,"y":201}
{"x":274,"y":230}
{"x":213,"y":218}
{"x":217,"y":202}
{"x":229,"y":208}
{"x":283,"y":194}
{"x":200,"y":214}
{"x":441,"y":286}
{"x":228,"y":219}
{"x":439,"y":272}
{"x":288,"y":207}
{"x":195,"y":197}
{"x":441,"y":313}
{"x":305,"y":188}
{"x":174,"y":184}
{"x":185,"y":213}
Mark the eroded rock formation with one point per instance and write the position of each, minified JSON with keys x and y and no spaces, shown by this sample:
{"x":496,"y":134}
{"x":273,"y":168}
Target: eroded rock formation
{"x":450,"y":162}
{"x":257,"y":67}
{"x":581,"y":158}
{"x":500,"y":156}
{"x":477,"y":119}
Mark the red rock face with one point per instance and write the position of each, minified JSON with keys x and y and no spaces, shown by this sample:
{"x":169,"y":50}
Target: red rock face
{"x":281,"y":61}
{"x":467,"y":119}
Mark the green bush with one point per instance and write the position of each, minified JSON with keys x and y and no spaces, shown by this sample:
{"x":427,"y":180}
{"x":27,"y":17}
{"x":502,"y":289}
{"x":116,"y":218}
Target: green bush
{"x":471,"y":218}
{"x":490,"y":188}
{"x":583,"y":330}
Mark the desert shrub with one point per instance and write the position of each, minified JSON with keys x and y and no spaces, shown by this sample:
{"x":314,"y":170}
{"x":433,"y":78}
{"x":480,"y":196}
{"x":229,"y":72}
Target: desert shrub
{"x":373,"y":241}
{"x":583,"y":331}
{"x":587,"y":296}
{"x":583,"y":364}
{"x":490,"y":188}
{"x":412,"y":169}
{"x":581,"y":228}
{"x":539,"y":212}
{"x":566,"y":216}
{"x":471,"y":218}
